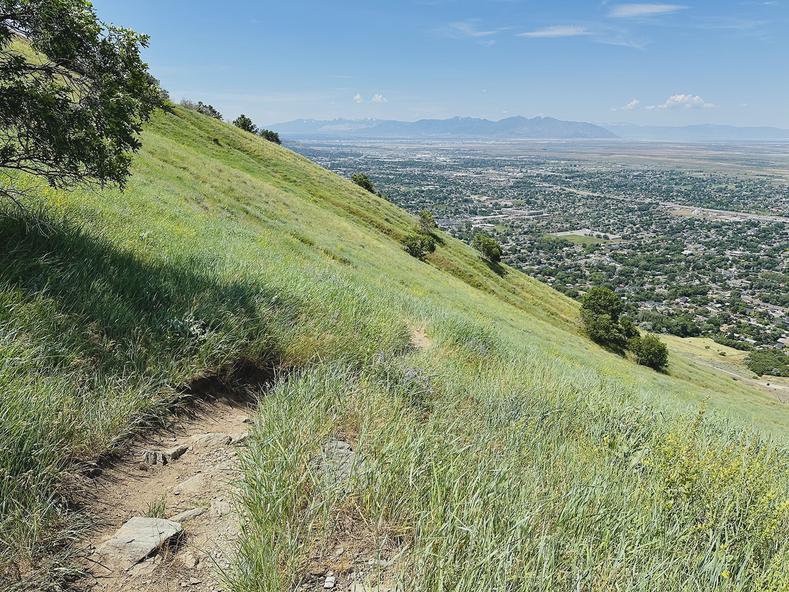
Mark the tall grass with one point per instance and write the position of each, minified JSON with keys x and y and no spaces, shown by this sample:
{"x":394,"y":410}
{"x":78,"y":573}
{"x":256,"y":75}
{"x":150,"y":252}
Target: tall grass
{"x":490,"y":476}
{"x":512,"y":453}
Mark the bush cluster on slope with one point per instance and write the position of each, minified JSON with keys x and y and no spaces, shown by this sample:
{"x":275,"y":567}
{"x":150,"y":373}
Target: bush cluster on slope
{"x":488,"y":247}
{"x":768,"y":361}
{"x":202,"y":108}
{"x":601,"y":311}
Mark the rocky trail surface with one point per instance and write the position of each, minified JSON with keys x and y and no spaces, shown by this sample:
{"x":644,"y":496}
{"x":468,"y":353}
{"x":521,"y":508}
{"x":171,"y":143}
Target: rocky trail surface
{"x":164,"y":516}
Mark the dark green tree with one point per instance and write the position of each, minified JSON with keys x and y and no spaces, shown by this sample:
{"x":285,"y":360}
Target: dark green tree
{"x":600,"y":312}
{"x":650,"y":351}
{"x":245,"y":123}
{"x":270,"y":136}
{"x":600,"y":300}
{"x":74,"y":94}
{"x":419,"y":244}
{"x":487,"y":246}
{"x":364,"y":182}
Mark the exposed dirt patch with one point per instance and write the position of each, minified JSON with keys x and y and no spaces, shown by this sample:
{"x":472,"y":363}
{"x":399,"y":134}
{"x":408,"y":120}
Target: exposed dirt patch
{"x":194,"y":487}
{"x":353,"y":557}
{"x":419,"y":338}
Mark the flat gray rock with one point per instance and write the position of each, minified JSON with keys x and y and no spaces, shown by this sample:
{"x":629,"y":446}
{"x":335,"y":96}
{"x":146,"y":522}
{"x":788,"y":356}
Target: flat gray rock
{"x":335,"y":463}
{"x":137,"y":539}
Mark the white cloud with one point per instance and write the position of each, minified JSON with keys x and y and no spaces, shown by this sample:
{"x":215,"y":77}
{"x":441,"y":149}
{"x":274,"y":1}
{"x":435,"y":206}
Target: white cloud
{"x":357,"y":98}
{"x":379,"y":98}
{"x":556,"y":32}
{"x":642,"y":10}
{"x":631,"y":106}
{"x":468,"y":29}
{"x":683,"y":102}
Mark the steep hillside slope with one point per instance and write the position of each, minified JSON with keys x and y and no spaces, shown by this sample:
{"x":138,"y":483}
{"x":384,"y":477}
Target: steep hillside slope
{"x":496,"y":446}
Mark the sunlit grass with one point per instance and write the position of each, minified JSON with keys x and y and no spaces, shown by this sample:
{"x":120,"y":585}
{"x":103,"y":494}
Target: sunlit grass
{"x":510,"y":454}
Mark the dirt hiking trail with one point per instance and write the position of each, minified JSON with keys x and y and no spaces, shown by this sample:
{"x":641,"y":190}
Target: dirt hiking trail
{"x":164,"y":516}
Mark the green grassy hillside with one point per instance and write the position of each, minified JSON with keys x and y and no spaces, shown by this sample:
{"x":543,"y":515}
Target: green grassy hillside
{"x":506,"y":452}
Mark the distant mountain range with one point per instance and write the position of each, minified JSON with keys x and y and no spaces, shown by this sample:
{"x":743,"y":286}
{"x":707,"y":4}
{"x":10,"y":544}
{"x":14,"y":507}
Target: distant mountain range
{"x":457,"y":127}
{"x":698,"y":133}
{"x":514,"y":128}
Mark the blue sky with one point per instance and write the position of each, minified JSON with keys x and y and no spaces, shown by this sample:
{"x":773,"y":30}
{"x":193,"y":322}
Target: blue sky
{"x":661,"y":63}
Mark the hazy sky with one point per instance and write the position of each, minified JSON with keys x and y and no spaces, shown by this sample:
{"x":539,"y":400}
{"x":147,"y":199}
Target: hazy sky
{"x":721,"y":61}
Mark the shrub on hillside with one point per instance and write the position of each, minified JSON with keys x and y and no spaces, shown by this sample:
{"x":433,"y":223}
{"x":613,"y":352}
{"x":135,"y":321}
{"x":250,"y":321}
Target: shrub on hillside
{"x":769,"y":361}
{"x":363,"y":181}
{"x":600,"y":300}
{"x":245,"y":123}
{"x":603,"y":329}
{"x":201,"y":107}
{"x":601,"y":310}
{"x":270,"y":136}
{"x":418,"y":244}
{"x":488,"y":247}
{"x":649,"y":351}
{"x":629,"y":330}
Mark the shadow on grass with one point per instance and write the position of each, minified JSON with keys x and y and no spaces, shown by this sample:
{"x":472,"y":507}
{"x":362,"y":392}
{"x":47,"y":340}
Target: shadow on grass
{"x":495,"y":267}
{"x":160,"y":311}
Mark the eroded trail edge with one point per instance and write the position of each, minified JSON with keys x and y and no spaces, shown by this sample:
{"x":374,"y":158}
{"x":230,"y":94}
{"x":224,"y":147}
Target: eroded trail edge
{"x":164,"y":517}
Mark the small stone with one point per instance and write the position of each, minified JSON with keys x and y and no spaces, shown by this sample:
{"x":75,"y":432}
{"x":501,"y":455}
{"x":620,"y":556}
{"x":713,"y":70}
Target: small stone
{"x":247,"y":420}
{"x":153,"y":458}
{"x":211,"y":440}
{"x":175,"y":452}
{"x":188,"y":515}
{"x":220,"y":507}
{"x":241,"y":438}
{"x":330,"y":582}
{"x":188,"y":559}
{"x":92,"y":470}
{"x":191,"y":485}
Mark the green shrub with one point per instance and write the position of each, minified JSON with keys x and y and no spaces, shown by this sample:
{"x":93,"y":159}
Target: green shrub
{"x":245,"y":123}
{"x":602,"y":329}
{"x":490,"y":249}
{"x":419,"y":244}
{"x":650,"y":351}
{"x":270,"y":136}
{"x":363,"y":181}
{"x":600,"y":300}
{"x":768,"y":361}
{"x":600,"y":311}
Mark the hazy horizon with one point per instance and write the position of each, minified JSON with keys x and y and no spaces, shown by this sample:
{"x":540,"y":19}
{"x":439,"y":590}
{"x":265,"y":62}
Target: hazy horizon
{"x":657,"y":64}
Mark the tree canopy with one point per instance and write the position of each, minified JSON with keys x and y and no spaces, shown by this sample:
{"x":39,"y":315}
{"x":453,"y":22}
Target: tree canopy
{"x":363,"y":181}
{"x":270,"y":136}
{"x":650,"y":351}
{"x":600,"y":300}
{"x":600,"y":312}
{"x":74,"y":94}
{"x":488,"y":247}
{"x":245,"y":123}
